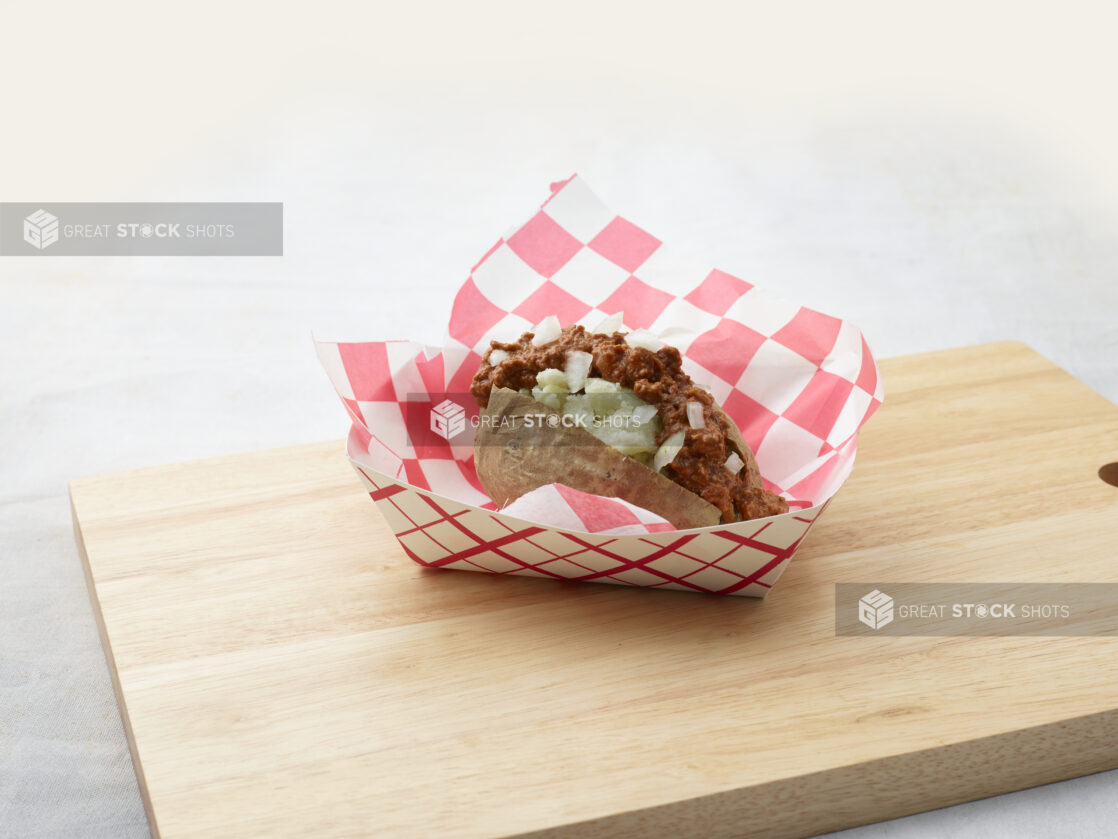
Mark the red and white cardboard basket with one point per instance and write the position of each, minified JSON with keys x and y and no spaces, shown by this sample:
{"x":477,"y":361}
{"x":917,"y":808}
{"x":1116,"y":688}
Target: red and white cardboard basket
{"x":798,"y":383}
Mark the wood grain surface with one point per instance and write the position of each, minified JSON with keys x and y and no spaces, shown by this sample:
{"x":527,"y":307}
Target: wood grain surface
{"x":284,"y":670}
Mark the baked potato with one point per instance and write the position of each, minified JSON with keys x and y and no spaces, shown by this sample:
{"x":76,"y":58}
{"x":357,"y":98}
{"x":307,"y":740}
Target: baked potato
{"x":611,"y":413}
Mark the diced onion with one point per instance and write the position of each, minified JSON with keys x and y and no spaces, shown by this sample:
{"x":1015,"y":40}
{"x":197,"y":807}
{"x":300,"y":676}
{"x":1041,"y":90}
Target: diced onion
{"x":611,"y":324}
{"x":548,"y":330}
{"x":497,"y":356}
{"x":644,"y":338}
{"x":695,"y":415}
{"x":734,"y":463}
{"x":667,"y":451}
{"x":644,"y":414}
{"x":577,"y":369}
{"x":551,"y":380}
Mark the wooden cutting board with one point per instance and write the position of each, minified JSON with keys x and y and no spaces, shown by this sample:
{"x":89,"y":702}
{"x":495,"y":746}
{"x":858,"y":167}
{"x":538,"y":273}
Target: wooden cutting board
{"x":284,"y":670}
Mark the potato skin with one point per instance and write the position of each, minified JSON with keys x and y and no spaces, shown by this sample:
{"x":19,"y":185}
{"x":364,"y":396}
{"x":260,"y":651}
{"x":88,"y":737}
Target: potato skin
{"x":513,"y":458}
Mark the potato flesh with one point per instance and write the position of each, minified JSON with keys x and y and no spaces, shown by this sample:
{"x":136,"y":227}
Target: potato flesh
{"x":613,"y":414}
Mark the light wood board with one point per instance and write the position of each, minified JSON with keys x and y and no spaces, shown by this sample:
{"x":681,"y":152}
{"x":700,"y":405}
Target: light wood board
{"x":284,"y":670}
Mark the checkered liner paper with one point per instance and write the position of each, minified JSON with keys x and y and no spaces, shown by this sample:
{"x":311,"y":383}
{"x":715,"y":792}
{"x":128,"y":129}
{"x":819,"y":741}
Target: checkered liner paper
{"x":798,"y":383}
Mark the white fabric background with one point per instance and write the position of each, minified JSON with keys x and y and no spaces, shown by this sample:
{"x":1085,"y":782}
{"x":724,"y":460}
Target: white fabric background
{"x":928,"y":228}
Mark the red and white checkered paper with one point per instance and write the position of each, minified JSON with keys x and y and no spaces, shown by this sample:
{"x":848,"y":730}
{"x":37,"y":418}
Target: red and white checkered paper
{"x":798,"y":383}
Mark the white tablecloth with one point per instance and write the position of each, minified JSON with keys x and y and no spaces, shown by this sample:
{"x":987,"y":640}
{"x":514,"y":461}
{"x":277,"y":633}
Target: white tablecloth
{"x":928,"y":232}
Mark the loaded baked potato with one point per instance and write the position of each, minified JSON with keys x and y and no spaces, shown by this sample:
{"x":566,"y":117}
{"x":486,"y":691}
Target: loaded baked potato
{"x":611,"y":413}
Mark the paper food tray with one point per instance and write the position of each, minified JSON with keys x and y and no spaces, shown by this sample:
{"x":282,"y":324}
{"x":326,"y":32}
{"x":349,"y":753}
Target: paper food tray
{"x":797,"y":382}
